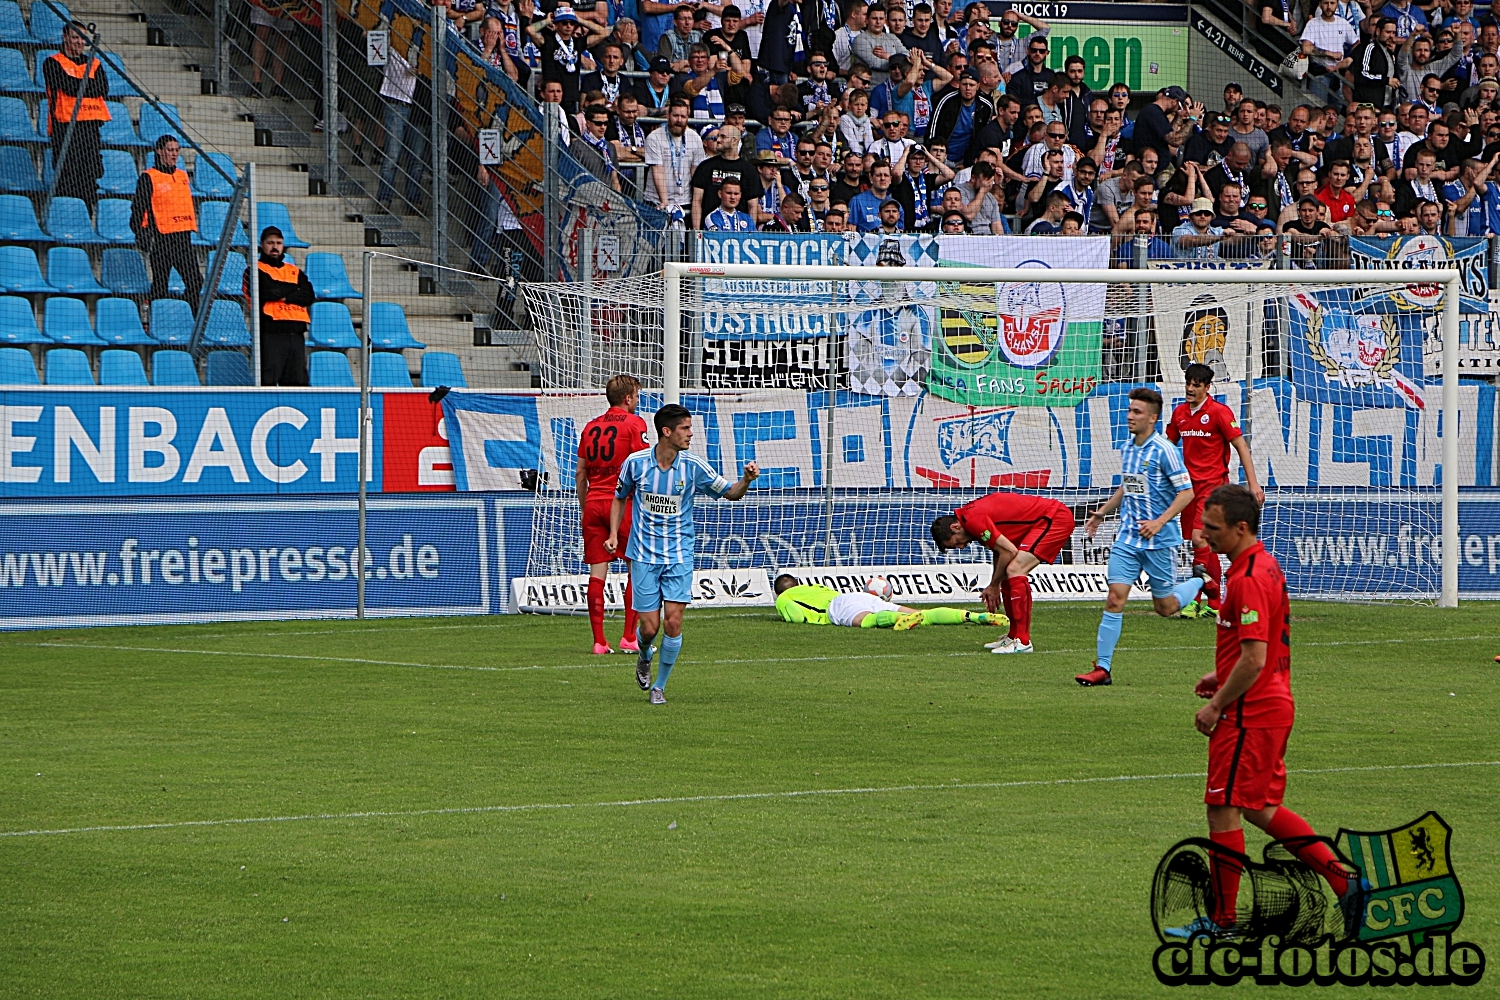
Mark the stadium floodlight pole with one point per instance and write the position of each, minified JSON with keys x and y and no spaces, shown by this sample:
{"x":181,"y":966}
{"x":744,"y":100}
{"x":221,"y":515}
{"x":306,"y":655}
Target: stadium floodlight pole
{"x":364,"y":408}
{"x":254,"y":272}
{"x":1450,"y":278}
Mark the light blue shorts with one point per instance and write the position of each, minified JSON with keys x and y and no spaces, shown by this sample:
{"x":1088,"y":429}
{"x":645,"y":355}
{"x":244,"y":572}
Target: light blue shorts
{"x":1126,"y":563}
{"x":652,"y":583}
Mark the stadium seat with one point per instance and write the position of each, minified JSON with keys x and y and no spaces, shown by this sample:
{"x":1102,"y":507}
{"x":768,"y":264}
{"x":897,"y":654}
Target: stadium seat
{"x":121,"y":368}
{"x":228,"y":368}
{"x":226,"y":325}
{"x":68,"y":222}
{"x":330,"y":370}
{"x":114,"y":72}
{"x":155,"y":124}
{"x":328,"y":277}
{"x":124,"y":272}
{"x":175,"y":285}
{"x":114,"y":221}
{"x":118,"y":322}
{"x":171,"y":322}
{"x":66,"y":321}
{"x":274,"y":213}
{"x":17,"y":367}
{"x":69,"y":271}
{"x":174,"y":369}
{"x":17,"y":172}
{"x":15,"y":75}
{"x":332,"y":327}
{"x":210,"y":183}
{"x":18,"y":322}
{"x":18,"y":219}
{"x":66,"y":366}
{"x":120,"y":130}
{"x":120,"y":174}
{"x":16,"y":124}
{"x":20,"y":273}
{"x":47,"y":23}
{"x":232,"y":278}
{"x":388,"y":371}
{"x":13,"y":30}
{"x":211,"y":225}
{"x":442,"y":368}
{"x":388,"y":330}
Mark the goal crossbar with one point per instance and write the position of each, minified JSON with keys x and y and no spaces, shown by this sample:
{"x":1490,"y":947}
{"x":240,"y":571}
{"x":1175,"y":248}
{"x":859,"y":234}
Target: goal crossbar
{"x":1450,"y":278}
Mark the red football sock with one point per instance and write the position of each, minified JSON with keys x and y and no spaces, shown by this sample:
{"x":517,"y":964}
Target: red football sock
{"x":1224,"y":873}
{"x":1209,"y":560}
{"x":1316,"y":854}
{"x":629,"y":612}
{"x":1010,"y":611}
{"x":1019,"y":589}
{"x":596,"y":608}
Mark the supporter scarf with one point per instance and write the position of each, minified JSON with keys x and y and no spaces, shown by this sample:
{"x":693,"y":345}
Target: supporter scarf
{"x":600,"y":146}
{"x":921,"y":108}
{"x":610,"y":88}
{"x":921,"y":213}
{"x":566,"y":56}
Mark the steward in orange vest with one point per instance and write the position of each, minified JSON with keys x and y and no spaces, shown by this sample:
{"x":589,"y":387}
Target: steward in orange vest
{"x":285,"y":295}
{"x":68,"y":83}
{"x":163,"y":220}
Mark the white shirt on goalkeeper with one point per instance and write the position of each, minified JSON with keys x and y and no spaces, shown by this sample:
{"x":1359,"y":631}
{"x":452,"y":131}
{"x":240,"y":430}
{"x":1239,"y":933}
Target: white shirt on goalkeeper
{"x":661,"y":519}
{"x":843,"y":609}
{"x":1152,"y":474}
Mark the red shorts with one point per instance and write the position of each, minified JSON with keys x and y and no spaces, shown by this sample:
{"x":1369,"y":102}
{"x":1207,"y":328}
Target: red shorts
{"x":1192,"y":514}
{"x":1245,"y":767}
{"x":596,"y":530}
{"x":1046,"y":536}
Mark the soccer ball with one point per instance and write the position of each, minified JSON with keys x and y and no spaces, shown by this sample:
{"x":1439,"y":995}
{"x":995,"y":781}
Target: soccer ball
{"x":880,"y":587}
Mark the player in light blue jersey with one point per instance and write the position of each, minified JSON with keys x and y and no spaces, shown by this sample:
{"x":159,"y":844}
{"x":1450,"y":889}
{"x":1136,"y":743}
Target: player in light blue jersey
{"x":663,"y":482}
{"x":1154,"y":489}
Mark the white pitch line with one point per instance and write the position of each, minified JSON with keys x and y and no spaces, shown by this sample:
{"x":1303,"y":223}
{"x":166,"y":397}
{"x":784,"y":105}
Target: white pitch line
{"x":688,"y":799}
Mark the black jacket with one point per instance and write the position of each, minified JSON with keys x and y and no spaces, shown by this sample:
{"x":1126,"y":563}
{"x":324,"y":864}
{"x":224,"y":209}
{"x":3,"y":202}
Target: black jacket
{"x":1374,"y":65}
{"x":299,"y":294}
{"x":945,"y":116}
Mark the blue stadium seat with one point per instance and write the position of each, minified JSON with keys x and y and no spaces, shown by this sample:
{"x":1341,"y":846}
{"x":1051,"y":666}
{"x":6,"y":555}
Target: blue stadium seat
{"x":16,"y":124}
{"x":66,"y":366}
{"x":211,"y":225}
{"x":332,"y":327}
{"x":68,"y":222}
{"x":442,"y":368}
{"x":226,"y":325}
{"x":388,"y":330}
{"x":174,"y":368}
{"x":124,"y":272}
{"x":15,"y":75}
{"x":17,"y":367}
{"x":13,"y":30}
{"x":20,"y":273}
{"x":17,"y":172}
{"x":328,"y":277}
{"x":120,"y":175}
{"x":46,"y":23}
{"x":119,"y":85}
{"x":18,"y":219}
{"x":66,"y":321}
{"x":120,"y":130}
{"x":121,"y":368}
{"x":208,"y":182}
{"x":69,"y":271}
{"x":155,"y":124}
{"x":232,"y":278}
{"x":18,"y":322}
{"x":388,"y":371}
{"x":171,"y":322}
{"x":175,"y":285}
{"x":118,"y":322}
{"x":274,"y":213}
{"x":330,"y":370}
{"x":114,"y":221}
{"x":228,"y":368}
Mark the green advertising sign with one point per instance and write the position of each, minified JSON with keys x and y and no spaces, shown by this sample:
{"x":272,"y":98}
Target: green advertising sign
{"x":1144,"y":55}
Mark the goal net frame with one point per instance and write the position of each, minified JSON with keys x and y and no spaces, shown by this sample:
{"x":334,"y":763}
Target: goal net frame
{"x":675,"y":275}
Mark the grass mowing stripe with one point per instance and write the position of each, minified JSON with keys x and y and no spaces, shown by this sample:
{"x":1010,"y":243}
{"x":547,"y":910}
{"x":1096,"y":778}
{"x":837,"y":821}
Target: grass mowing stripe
{"x":281,"y":656}
{"x":730,"y":797}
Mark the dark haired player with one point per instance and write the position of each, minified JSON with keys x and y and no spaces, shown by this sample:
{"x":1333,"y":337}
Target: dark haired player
{"x":1248,"y":718}
{"x":1022,"y":531}
{"x":605,"y":443}
{"x":1154,"y":489}
{"x":663,"y":482}
{"x":1206,"y":429}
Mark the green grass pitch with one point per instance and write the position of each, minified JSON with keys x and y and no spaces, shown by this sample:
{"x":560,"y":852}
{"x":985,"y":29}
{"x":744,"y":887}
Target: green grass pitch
{"x":970,"y":853}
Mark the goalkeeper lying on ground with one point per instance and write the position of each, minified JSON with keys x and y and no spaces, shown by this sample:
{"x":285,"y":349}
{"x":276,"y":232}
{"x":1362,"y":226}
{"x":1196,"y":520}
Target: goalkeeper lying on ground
{"x":814,"y":605}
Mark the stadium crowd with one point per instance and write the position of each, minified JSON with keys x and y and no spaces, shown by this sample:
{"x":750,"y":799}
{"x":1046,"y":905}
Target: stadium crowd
{"x":902,"y":116}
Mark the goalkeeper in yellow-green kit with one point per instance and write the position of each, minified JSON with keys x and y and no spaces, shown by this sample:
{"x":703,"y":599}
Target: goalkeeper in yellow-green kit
{"x":815,"y":605}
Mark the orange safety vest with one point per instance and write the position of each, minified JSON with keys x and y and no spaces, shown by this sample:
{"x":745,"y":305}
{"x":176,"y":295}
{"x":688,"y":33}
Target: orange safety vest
{"x":93,"y":109}
{"x":284,"y":310}
{"x":171,"y":202}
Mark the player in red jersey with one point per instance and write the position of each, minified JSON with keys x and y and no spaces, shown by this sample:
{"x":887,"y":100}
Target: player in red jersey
{"x":1023,"y":531}
{"x":605,"y":443}
{"x":1206,"y":429}
{"x":1248,"y":718}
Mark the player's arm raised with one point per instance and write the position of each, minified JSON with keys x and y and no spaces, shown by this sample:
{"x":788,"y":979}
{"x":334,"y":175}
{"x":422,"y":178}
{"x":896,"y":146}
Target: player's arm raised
{"x":1252,"y":660}
{"x":1099,"y":513}
{"x":739,"y":489}
{"x":1242,"y":449}
{"x":1179,"y":504}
